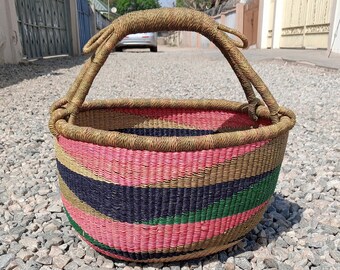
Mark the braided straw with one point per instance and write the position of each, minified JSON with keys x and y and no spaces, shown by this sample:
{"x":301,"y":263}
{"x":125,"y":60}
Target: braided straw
{"x":64,"y":111}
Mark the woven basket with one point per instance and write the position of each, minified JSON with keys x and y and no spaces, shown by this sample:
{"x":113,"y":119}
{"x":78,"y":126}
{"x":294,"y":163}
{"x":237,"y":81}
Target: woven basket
{"x":165,"y":180}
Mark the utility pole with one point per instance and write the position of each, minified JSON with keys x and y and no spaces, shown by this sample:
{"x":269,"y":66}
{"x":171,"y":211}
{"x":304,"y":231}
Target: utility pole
{"x":108,"y":10}
{"x":95,"y":16}
{"x":335,"y":36}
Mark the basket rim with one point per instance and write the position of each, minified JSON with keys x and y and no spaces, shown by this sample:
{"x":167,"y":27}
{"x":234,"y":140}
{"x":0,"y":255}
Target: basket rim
{"x":174,"y":144}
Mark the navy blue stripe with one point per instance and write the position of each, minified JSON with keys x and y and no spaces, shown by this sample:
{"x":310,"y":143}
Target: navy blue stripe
{"x":165,"y":132}
{"x":140,"y":205}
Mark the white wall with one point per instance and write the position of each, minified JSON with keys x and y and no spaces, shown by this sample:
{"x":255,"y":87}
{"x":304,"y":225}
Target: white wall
{"x":262,"y":31}
{"x":10,"y":47}
{"x":277,"y":27}
{"x":195,"y":40}
{"x":231,"y":20}
{"x":335,"y":28}
{"x":264,"y":18}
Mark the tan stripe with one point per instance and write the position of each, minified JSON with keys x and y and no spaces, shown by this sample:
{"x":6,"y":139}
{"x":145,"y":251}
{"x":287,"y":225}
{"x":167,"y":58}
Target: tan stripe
{"x":229,"y":235}
{"x":263,"y":159}
{"x":74,"y":166}
{"x":112,"y":120}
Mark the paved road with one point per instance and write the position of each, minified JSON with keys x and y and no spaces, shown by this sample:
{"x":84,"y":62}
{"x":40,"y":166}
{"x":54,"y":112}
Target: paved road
{"x":307,"y":57}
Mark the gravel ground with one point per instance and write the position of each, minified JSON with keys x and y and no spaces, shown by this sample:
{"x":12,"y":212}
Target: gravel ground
{"x":300,"y":230}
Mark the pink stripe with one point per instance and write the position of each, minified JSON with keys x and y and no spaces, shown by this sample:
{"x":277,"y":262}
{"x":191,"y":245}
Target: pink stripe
{"x":136,"y":167}
{"x":142,"y":238}
{"x":210,"y":120}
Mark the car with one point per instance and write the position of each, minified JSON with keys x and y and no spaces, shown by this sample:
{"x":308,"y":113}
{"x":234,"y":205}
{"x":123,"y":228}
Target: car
{"x":140,"y":40}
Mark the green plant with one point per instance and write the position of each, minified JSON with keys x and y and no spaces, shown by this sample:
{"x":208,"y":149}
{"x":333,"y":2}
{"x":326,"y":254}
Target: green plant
{"x":125,"y":6}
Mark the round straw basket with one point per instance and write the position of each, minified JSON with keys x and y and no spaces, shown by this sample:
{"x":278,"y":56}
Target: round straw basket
{"x":165,"y":180}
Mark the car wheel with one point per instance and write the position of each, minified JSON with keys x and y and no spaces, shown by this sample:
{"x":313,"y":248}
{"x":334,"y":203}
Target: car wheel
{"x":153,"y":49}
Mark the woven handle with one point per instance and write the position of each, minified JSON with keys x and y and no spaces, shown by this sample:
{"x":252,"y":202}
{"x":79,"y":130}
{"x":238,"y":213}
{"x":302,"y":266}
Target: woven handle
{"x":165,"y":19}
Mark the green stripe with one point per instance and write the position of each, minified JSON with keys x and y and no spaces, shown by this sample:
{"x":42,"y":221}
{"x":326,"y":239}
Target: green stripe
{"x":84,"y":234}
{"x":134,"y":255}
{"x":238,"y":203}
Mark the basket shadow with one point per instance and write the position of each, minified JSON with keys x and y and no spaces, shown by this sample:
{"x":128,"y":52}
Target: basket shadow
{"x":11,"y":74}
{"x":280,"y":217}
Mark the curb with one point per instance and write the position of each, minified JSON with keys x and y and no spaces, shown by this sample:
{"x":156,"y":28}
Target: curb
{"x":306,"y":63}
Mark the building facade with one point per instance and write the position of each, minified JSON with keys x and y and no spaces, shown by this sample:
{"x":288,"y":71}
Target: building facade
{"x":298,"y":24}
{"x":31,"y":29}
{"x":301,"y":24}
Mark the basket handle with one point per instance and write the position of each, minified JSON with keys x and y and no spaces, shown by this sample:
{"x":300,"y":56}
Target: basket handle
{"x":162,"y":20}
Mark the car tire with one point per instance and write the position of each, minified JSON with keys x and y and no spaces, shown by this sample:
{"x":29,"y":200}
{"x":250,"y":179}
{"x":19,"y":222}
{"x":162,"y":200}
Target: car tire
{"x":153,"y":49}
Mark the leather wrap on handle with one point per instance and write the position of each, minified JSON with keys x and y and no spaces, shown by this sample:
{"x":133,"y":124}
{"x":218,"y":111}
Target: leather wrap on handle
{"x":165,"y":19}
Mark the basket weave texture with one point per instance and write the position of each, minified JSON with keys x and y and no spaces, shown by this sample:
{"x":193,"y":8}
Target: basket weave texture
{"x":166,"y":180}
